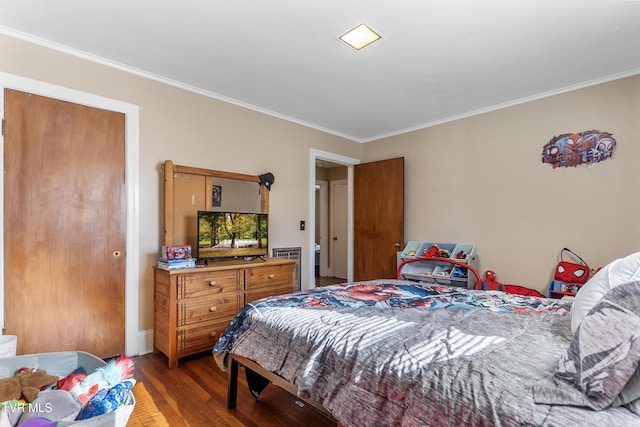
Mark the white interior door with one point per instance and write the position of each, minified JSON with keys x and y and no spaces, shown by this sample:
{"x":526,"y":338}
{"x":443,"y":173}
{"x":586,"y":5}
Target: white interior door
{"x":322,"y":227}
{"x":339,"y":223}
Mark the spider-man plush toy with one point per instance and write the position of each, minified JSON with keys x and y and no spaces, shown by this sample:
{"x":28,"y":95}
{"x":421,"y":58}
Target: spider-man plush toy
{"x":491,"y":284}
{"x":569,"y":272}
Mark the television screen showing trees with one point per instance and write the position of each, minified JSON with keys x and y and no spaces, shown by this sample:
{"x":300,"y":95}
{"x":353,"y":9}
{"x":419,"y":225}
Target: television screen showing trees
{"x":232,"y":234}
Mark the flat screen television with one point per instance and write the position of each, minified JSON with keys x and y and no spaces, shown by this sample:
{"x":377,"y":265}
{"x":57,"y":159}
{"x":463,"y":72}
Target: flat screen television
{"x":232,"y":235}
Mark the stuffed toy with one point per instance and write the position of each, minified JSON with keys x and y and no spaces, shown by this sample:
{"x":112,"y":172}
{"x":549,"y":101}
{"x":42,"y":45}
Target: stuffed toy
{"x":491,"y":284}
{"x":26,"y":383}
{"x":10,"y":389}
{"x":59,"y":405}
{"x":107,"y":400}
{"x":436,"y":252}
{"x":84,"y":387}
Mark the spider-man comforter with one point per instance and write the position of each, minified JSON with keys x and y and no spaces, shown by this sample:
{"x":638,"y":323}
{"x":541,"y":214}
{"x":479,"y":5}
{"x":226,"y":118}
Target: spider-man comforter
{"x":401,"y":353}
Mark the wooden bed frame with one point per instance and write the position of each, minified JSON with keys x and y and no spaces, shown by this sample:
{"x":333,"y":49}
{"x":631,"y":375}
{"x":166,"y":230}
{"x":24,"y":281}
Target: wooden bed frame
{"x":232,"y":392}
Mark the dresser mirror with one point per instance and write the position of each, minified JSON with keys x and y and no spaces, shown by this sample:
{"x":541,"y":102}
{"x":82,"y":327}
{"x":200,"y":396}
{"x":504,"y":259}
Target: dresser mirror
{"x":188,"y":190}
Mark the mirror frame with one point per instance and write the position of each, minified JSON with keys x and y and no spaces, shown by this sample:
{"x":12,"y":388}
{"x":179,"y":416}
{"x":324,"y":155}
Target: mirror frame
{"x":170,"y":169}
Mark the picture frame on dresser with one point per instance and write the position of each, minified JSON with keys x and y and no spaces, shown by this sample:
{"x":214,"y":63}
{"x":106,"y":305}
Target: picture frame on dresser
{"x":216,"y":196}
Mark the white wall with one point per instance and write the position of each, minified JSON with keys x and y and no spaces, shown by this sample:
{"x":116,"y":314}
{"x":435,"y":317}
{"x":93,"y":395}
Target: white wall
{"x":481,"y":180}
{"x":194,"y":130}
{"x":478,"y":179}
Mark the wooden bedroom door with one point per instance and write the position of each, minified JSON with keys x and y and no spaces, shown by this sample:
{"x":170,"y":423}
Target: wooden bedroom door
{"x":64,"y":222}
{"x":378,"y":217}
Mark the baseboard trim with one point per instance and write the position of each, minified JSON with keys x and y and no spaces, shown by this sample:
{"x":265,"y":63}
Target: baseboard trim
{"x":145,"y":342}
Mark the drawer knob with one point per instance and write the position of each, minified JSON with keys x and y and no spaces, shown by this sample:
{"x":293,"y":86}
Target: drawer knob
{"x":271,"y":276}
{"x":213,"y":334}
{"x":213,"y":308}
{"x":215,"y":285}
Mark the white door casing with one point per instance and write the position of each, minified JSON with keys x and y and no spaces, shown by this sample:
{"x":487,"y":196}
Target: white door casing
{"x":310,"y":249}
{"x":131,"y":112}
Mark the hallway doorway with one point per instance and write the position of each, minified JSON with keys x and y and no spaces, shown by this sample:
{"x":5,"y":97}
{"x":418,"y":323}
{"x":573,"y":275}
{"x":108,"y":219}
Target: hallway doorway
{"x":331,"y":221}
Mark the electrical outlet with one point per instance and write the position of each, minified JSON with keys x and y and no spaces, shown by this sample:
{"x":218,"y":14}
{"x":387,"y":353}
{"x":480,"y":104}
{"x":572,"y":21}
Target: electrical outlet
{"x":302,"y":225}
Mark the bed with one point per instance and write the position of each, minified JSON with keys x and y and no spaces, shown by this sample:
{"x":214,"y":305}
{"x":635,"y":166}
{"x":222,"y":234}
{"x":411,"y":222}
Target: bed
{"x":396,"y":352}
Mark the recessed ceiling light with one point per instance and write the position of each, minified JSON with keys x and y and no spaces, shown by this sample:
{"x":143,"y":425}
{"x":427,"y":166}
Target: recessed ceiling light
{"x":359,"y":37}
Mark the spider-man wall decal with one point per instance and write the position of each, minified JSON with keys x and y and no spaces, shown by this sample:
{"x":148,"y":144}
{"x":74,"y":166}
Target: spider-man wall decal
{"x":579,"y":149}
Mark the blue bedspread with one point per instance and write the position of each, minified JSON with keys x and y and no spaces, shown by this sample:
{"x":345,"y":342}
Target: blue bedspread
{"x":393,"y":352}
{"x":388,"y":294}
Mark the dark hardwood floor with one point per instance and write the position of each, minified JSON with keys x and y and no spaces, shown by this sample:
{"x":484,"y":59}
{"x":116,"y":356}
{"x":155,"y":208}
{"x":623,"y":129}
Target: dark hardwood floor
{"x":325,"y":281}
{"x":195,"y":394}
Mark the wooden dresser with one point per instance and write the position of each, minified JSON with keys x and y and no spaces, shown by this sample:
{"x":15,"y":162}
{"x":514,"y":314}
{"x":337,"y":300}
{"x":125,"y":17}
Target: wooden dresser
{"x":192,"y":307}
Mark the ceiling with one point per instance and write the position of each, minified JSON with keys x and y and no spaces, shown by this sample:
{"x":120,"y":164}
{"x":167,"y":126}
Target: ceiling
{"x":437,"y":60}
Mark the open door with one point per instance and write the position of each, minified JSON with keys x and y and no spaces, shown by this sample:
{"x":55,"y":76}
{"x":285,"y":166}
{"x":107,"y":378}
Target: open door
{"x":378,"y":218}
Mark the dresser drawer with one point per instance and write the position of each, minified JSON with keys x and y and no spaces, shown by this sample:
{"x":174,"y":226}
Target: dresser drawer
{"x":197,"y":310}
{"x":193,"y":307}
{"x":195,"y":285}
{"x":263,"y":292}
{"x":269,"y":276}
{"x":200,"y":337}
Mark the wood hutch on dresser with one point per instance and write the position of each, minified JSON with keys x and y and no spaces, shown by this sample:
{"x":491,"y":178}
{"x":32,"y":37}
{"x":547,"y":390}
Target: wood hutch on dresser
{"x":193,"y":306}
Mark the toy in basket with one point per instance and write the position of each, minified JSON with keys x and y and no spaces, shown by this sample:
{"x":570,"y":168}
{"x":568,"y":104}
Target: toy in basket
{"x":92,"y":391}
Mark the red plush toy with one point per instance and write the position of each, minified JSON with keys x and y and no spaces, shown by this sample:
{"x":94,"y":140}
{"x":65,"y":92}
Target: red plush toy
{"x":491,"y":284}
{"x":436,"y":252}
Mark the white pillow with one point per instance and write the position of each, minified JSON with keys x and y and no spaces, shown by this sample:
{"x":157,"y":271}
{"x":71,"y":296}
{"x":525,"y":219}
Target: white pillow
{"x":615,"y":273}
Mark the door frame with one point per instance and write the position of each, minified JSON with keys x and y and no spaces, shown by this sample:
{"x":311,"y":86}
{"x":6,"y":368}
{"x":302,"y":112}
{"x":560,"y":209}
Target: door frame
{"x":349,"y":162}
{"x":132,"y":165}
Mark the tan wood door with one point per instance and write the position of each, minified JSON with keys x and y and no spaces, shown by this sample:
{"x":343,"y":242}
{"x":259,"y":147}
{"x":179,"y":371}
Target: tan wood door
{"x":378,"y":217}
{"x":64,"y":213}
